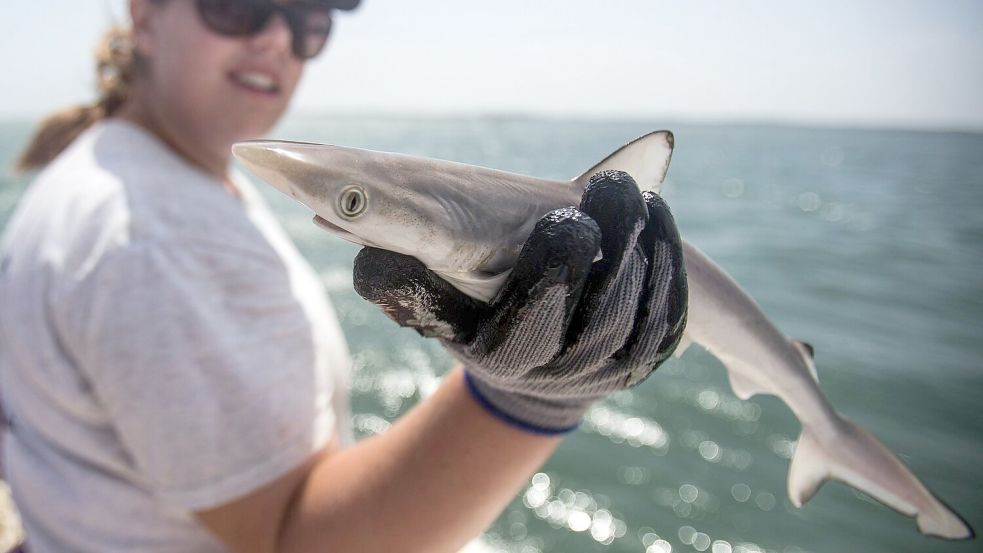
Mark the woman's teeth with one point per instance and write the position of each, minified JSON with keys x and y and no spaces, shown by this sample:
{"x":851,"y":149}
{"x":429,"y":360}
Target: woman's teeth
{"x":256,"y":81}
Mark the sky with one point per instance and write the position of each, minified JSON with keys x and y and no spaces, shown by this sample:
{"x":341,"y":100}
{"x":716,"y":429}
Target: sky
{"x":880,"y":63}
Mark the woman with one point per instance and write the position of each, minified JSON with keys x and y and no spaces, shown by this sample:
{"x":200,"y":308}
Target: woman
{"x":173,"y":375}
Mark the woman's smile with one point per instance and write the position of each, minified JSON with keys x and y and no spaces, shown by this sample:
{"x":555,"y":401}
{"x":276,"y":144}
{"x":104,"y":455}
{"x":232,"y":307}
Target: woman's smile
{"x":257,"y":81}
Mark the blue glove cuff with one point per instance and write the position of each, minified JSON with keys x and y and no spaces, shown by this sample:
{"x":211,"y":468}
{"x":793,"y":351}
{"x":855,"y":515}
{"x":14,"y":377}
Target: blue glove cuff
{"x":508,"y":418}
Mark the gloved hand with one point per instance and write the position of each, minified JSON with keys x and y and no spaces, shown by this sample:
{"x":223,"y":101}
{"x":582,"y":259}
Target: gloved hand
{"x":564,"y":330}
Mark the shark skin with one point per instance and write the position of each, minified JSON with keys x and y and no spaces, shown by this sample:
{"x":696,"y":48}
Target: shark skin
{"x":468,"y":224}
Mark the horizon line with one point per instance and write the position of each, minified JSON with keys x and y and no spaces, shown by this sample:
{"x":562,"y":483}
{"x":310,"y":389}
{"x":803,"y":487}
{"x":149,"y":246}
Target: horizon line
{"x":506,"y":115}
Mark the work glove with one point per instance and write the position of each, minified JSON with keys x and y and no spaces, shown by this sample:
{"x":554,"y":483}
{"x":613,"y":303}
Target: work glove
{"x":565,"y":330}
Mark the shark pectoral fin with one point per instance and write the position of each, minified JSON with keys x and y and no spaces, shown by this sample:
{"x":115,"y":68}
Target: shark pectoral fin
{"x":742,"y":386}
{"x":808,"y":470}
{"x":480,"y":286}
{"x":646,"y":159}
{"x":807,"y":352}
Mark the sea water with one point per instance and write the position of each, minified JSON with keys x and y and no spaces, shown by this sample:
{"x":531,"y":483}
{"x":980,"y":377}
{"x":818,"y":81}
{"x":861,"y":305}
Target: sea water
{"x":868,"y":244}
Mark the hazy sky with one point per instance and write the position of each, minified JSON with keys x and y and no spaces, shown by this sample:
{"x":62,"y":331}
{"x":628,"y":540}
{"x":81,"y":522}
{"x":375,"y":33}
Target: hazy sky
{"x":855,"y":62}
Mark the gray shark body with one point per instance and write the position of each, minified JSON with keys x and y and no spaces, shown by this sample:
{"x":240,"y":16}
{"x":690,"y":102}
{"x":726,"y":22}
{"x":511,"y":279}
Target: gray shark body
{"x":468,"y":224}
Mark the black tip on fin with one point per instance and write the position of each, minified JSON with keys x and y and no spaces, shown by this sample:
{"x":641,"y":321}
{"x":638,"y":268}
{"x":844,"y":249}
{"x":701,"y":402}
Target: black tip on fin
{"x":808,"y":347}
{"x":972,"y":531}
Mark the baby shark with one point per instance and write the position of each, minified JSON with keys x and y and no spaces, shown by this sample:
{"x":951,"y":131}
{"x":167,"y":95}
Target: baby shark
{"x":468,"y":224}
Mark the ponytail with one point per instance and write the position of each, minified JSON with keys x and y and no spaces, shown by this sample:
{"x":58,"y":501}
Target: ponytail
{"x":114,"y":76}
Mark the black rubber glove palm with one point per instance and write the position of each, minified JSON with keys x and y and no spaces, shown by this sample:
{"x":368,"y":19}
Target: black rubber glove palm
{"x":564,"y":331}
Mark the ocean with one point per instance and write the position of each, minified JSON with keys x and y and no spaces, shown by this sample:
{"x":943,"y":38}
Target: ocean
{"x":868,"y":244}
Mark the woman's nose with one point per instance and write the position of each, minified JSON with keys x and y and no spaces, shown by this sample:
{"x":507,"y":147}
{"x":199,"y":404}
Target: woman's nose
{"x":276,"y":34}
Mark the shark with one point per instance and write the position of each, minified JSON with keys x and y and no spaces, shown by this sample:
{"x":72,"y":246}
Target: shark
{"x":468,"y":224}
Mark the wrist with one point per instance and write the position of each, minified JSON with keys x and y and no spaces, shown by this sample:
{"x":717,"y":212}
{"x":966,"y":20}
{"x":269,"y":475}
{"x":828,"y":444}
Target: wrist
{"x":533,"y":414}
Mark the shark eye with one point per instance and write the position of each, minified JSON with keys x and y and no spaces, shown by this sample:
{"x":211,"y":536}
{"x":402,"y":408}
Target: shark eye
{"x":352,"y":202}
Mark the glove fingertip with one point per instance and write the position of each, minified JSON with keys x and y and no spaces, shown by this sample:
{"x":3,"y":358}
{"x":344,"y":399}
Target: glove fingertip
{"x":661,"y":225}
{"x":413,"y":296}
{"x":612,"y":198}
{"x":375,"y":271}
{"x":560,"y":250}
{"x":663,"y":309}
{"x":548,"y":278}
{"x":661,"y":230}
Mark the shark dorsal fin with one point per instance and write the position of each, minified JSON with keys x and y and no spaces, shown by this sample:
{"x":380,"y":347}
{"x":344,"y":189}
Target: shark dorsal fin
{"x":646,"y":159}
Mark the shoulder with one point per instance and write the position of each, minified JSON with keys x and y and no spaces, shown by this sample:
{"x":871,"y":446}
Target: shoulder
{"x":117,"y":196}
{"x":166,"y":200}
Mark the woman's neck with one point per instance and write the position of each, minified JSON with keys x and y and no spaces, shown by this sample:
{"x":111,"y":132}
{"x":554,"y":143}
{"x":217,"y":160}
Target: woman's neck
{"x":214,"y":161}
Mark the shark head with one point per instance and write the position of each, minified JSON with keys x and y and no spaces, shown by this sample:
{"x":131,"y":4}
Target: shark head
{"x":358,"y":195}
{"x":466,"y":223}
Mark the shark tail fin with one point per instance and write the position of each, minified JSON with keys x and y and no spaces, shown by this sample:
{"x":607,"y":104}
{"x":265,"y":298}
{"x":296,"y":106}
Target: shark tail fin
{"x":857,"y":458}
{"x":646,"y":159}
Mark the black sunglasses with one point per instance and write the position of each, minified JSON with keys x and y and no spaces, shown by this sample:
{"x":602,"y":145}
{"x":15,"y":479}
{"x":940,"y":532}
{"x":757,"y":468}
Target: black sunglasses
{"x":309,"y":22}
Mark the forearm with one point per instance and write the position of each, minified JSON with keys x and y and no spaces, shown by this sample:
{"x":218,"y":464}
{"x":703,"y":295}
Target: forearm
{"x":430,"y":483}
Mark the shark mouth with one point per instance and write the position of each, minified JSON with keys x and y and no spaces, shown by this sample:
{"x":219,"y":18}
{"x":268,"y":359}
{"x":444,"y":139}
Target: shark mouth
{"x":342,"y":233}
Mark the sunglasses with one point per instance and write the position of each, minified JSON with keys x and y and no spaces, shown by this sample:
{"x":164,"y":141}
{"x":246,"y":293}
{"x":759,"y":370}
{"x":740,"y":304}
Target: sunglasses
{"x":309,"y":22}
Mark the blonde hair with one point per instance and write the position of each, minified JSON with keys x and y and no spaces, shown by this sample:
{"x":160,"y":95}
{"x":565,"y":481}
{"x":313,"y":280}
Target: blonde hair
{"x":115,"y":65}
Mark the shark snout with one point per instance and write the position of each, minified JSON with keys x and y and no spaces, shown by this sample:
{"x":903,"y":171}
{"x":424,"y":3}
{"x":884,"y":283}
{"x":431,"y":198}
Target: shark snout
{"x":268,"y":161}
{"x":290,"y":167}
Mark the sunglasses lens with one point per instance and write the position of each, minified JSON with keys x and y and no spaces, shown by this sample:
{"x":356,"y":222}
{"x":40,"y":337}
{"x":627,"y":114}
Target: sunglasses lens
{"x":234,"y":17}
{"x":310,"y":22}
{"x":310,"y":26}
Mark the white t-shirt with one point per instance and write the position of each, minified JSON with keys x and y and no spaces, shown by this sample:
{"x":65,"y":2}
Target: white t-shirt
{"x":163,"y":349}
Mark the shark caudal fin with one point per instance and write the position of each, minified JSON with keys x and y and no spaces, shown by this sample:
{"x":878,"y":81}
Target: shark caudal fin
{"x":853,"y":456}
{"x":646,"y":159}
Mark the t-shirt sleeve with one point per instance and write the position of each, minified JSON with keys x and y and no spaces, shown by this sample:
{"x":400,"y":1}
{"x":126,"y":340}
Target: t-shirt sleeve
{"x":205,"y":362}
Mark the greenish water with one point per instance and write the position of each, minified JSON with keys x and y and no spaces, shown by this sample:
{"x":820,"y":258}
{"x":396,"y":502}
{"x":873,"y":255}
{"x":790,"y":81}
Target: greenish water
{"x":867,"y":244}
